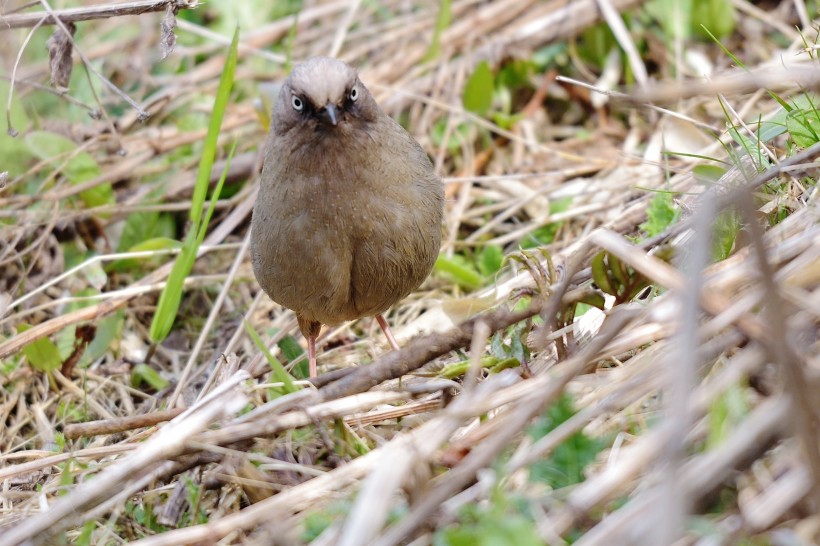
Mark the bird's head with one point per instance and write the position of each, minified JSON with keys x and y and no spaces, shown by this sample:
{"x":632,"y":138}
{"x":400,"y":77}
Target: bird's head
{"x":323,"y":94}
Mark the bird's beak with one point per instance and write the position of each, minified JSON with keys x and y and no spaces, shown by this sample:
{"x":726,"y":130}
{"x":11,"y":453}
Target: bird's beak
{"x":329,"y":114}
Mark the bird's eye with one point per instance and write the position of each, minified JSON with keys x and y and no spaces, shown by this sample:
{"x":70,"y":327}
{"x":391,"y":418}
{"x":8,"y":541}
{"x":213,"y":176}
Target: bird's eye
{"x":297,"y":103}
{"x":354,"y":94}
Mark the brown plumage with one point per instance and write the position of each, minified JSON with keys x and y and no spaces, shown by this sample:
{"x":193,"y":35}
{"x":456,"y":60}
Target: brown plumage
{"x":348,"y":218}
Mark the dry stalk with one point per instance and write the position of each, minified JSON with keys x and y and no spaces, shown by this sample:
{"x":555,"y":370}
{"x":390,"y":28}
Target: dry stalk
{"x":88,"y":13}
{"x":168,"y":443}
{"x":119,"y":424}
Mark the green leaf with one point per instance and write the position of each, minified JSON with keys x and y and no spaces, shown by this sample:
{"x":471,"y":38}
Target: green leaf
{"x":42,"y":354}
{"x":726,"y":227}
{"x":660,"y":214}
{"x":45,"y":145}
{"x":708,"y":174}
{"x":490,"y":259}
{"x":675,"y":17}
{"x":142,"y":226}
{"x":804,"y":126}
{"x":109,"y":330}
{"x":545,"y":234}
{"x":144,"y":373}
{"x":159,"y":243}
{"x":718,"y":16}
{"x":478,"y":92}
{"x":457,"y":269}
{"x":516,"y":74}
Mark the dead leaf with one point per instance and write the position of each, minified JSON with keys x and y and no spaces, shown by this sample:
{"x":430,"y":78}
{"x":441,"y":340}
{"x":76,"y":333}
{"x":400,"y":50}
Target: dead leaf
{"x":168,"y":39}
{"x":60,"y":49}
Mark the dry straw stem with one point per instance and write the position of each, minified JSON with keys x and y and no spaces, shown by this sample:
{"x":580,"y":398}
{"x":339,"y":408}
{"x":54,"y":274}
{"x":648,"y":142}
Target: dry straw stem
{"x":119,"y":424}
{"x":312,"y":492}
{"x":88,"y":13}
{"x":776,"y":78}
{"x":166,"y":444}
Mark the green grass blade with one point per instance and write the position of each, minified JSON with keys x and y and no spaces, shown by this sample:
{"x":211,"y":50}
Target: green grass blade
{"x":171,"y":296}
{"x":203,"y":228}
{"x":223,"y":93}
{"x":279,"y":372}
{"x":443,"y":19}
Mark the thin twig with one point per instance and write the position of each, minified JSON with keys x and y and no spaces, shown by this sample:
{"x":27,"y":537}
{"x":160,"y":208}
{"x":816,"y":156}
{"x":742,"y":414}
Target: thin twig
{"x":87,"y":13}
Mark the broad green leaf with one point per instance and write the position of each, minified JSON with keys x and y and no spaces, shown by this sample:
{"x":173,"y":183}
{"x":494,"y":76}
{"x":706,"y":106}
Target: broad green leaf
{"x":516,"y":74}
{"x":143,"y":226}
{"x":490,"y":259}
{"x":457,"y":269}
{"x":726,"y":227}
{"x":719,"y":16}
{"x":491,"y":530}
{"x":158,"y":243}
{"x":144,"y":373}
{"x":42,"y":354}
{"x":478,"y":92}
{"x":549,"y":56}
{"x":675,"y":17}
{"x":708,"y":174}
{"x":109,"y":331}
{"x":804,"y":127}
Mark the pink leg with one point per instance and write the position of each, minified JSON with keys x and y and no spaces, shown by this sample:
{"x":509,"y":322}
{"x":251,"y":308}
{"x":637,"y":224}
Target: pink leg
{"x":387,"y":332}
{"x":312,"y":355}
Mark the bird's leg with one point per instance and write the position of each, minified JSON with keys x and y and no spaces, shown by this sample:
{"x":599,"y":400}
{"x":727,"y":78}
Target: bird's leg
{"x":312,"y":355}
{"x":310,"y":329}
{"x":387,"y":332}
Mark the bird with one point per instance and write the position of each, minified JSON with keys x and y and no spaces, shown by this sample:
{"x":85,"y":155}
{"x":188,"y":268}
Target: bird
{"x":347,"y":220}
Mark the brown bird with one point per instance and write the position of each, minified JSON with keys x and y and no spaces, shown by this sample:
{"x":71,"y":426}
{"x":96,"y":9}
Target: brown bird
{"x":348,"y":218}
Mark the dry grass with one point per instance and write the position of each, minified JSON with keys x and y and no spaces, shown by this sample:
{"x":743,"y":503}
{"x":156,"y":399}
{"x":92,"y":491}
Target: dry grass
{"x":696,"y":390}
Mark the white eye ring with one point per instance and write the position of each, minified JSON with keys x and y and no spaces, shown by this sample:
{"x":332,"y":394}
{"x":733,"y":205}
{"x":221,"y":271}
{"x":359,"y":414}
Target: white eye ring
{"x":354,"y":94}
{"x":297,"y":103}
